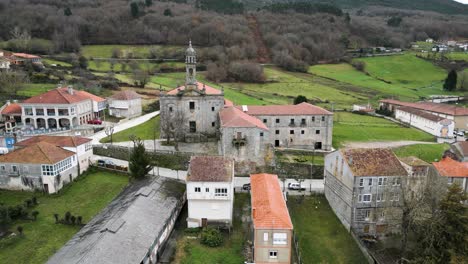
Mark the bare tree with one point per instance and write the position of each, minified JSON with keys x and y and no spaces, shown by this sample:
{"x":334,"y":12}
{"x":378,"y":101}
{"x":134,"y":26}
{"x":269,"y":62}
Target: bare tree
{"x":109,"y":130}
{"x":12,"y":82}
{"x":174,"y":125}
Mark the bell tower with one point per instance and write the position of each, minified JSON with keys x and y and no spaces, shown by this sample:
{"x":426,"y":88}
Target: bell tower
{"x":190,"y":65}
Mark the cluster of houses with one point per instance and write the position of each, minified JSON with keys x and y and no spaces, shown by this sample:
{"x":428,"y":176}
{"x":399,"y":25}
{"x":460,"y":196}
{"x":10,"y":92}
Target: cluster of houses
{"x":7,"y":59}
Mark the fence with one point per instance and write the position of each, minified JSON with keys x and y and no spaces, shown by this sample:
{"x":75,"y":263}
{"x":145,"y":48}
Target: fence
{"x":297,"y":252}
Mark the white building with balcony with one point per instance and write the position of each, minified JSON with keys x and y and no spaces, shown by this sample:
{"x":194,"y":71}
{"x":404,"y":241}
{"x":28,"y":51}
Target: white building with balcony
{"x":210,"y":191}
{"x":61,"y":108}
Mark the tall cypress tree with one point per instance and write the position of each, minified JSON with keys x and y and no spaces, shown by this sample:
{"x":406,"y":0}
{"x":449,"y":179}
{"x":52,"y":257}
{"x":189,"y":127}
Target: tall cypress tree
{"x":139,"y":164}
{"x":451,"y":81}
{"x":134,"y":9}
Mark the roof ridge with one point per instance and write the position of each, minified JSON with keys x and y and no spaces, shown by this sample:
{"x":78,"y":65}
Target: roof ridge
{"x":40,"y":148}
{"x":64,"y":97}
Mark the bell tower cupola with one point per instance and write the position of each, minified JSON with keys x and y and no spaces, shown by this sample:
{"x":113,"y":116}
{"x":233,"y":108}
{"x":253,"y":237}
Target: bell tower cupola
{"x":190,"y":65}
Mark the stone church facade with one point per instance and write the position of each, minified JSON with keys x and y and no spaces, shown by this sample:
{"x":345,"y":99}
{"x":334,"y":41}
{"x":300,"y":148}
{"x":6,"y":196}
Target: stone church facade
{"x":196,"y":112}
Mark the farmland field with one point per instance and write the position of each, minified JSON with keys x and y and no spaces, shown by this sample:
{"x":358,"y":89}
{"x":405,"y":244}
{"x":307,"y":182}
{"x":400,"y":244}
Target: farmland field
{"x":147,"y":130}
{"x":350,"y":127}
{"x":33,"y":89}
{"x":42,"y":238}
{"x":426,"y":152}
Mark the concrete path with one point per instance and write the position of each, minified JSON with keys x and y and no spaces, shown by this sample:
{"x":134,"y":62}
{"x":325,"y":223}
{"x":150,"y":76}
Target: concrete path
{"x":124,"y":125}
{"x":310,"y":185}
{"x":384,"y":144}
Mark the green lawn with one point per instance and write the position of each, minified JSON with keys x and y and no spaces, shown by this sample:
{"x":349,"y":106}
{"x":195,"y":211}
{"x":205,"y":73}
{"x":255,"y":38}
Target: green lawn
{"x":405,"y":76}
{"x":49,"y":62}
{"x":42,"y":238}
{"x":32,"y":89}
{"x":350,"y":127}
{"x":428,"y":153}
{"x":147,"y":130}
{"x":322,"y":237}
{"x":192,"y":252}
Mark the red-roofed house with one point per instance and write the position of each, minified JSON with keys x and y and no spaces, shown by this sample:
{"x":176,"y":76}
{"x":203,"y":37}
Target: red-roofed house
{"x":454,"y":171}
{"x":10,"y":115}
{"x":21,"y":58}
{"x":458,"y":114}
{"x":39,"y":166}
{"x":271,"y":222}
{"x":61,"y":108}
{"x":126,"y":104}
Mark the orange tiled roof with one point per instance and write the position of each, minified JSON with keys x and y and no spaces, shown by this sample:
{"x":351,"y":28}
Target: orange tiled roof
{"x":39,"y":153}
{"x":233,"y":117}
{"x":126,"y":95}
{"x":373,"y":162}
{"x":451,"y":168}
{"x":228,"y":103}
{"x":431,"y":107}
{"x":208,"y":89}
{"x":58,"y":96}
{"x":90,"y":96}
{"x":26,"y":56}
{"x":269,"y":209}
{"x":12,"y":109}
{"x":61,"y":141}
{"x":299,"y":109}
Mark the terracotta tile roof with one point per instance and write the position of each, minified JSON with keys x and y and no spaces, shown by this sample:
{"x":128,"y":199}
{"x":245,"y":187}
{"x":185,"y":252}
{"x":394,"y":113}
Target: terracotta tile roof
{"x":421,"y":113}
{"x":39,"y":153}
{"x":57,"y":96}
{"x":233,"y":117}
{"x":60,"y":141}
{"x":125,"y":95}
{"x":25,"y":56}
{"x":269,"y":209}
{"x":91,"y":96}
{"x":431,"y":107}
{"x":299,"y":109}
{"x":413,"y":161}
{"x":373,"y":162}
{"x":208,"y":89}
{"x":228,"y":103}
{"x":451,"y":168}
{"x":12,"y":109}
{"x":210,"y":169}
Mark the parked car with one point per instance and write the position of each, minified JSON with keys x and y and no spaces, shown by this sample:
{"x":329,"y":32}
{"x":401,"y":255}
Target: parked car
{"x":295,"y":186}
{"x":104,"y":162}
{"x":95,"y":122}
{"x":246,"y":187}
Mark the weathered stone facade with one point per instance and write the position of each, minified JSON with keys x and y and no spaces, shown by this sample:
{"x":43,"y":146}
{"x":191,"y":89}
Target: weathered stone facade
{"x":369,"y":205}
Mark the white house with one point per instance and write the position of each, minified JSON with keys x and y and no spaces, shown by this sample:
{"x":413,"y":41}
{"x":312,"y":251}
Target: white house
{"x":125,"y":104}
{"x":81,"y":146}
{"x":210,"y":191}
{"x":4,"y":63}
{"x":60,"y":108}
{"x":435,"y":125}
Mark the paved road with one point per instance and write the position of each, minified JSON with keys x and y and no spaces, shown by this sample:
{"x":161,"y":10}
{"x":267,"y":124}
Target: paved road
{"x":124,"y":125}
{"x":310,"y":185}
{"x":384,"y":144}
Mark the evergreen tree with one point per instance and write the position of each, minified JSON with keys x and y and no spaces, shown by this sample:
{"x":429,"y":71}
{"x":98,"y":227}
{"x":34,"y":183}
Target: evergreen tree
{"x":148,"y":2}
{"x":67,"y":11}
{"x":300,"y":99}
{"x":139,"y":164}
{"x":83,"y":62}
{"x":167,"y":12}
{"x":451,"y":81}
{"x":134,"y":9}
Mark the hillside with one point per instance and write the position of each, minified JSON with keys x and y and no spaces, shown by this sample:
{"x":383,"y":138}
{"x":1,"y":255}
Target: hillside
{"x":441,"y":6}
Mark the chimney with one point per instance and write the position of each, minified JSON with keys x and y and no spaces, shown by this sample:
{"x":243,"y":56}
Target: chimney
{"x":8,"y":102}
{"x":15,"y":101}
{"x":70,"y":89}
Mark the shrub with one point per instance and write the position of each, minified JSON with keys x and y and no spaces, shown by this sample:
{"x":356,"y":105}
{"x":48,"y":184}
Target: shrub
{"x":28,"y":202}
{"x":246,"y":72}
{"x":79,"y":220}
{"x":67,"y":217}
{"x":20,"y":230}
{"x":56,"y":216}
{"x":34,"y":215}
{"x":300,"y":99}
{"x":73,"y":219}
{"x":359,"y":65}
{"x":211,"y":237}
{"x":34,"y":200}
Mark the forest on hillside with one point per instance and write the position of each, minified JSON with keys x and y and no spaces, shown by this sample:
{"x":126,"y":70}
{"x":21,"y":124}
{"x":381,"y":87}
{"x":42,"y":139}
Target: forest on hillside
{"x":295,"y":37}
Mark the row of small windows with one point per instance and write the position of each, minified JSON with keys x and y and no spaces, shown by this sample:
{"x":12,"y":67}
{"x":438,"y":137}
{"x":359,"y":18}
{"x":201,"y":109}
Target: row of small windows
{"x":52,"y":170}
{"x":382,"y":181}
{"x":218,"y":191}
{"x":191,"y":107}
{"x":292,"y":121}
{"x":380,"y":197}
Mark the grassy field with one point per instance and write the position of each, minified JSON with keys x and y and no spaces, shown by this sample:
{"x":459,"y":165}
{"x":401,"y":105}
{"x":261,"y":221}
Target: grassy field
{"x":405,"y":76}
{"x":42,"y":238}
{"x":32,"y":89}
{"x":193,"y":252}
{"x":428,"y":153}
{"x":322,"y":238}
{"x":49,"y":62}
{"x":146,"y":130}
{"x":350,"y":127}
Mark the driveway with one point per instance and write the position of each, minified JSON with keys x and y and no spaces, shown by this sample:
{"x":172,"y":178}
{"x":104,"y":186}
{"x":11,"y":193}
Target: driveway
{"x":124,"y":125}
{"x":385,"y":144}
